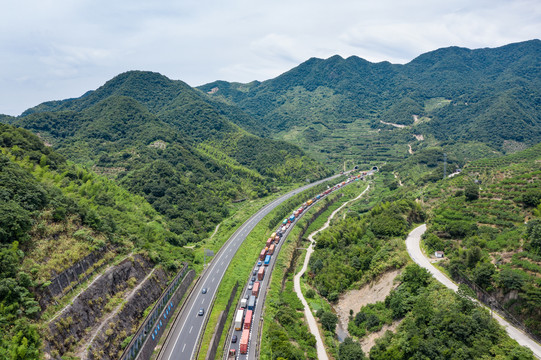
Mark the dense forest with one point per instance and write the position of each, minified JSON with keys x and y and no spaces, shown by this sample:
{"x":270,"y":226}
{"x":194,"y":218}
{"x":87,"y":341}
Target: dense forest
{"x":453,"y":94}
{"x":159,"y":139}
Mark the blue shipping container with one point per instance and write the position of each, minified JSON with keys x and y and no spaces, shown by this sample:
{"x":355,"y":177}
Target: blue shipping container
{"x":267,"y":260}
{"x":251,"y":302}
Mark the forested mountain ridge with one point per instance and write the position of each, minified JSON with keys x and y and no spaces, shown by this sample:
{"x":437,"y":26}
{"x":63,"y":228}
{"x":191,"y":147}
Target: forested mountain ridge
{"x":163,"y":141}
{"x":456,"y":94}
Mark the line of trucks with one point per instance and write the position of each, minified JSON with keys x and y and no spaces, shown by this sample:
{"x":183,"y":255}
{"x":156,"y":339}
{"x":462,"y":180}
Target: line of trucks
{"x":244,"y":315}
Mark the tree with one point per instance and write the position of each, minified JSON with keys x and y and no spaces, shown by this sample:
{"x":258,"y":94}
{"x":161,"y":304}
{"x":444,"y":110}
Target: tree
{"x":471,"y":191}
{"x":482,"y":274}
{"x":350,"y":350}
{"x":329,"y":321}
{"x":533,"y":233}
{"x":15,"y":222}
{"x":532,"y":198}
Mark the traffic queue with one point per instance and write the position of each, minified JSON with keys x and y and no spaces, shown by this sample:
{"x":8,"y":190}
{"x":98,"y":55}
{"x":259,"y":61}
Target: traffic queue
{"x":244,"y":315}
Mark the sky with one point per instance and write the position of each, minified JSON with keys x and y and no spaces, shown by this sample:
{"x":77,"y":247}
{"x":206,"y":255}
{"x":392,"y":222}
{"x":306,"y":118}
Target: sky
{"x":59,"y":49}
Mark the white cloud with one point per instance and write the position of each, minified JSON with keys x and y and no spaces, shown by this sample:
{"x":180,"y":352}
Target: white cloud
{"x":53,"y":49}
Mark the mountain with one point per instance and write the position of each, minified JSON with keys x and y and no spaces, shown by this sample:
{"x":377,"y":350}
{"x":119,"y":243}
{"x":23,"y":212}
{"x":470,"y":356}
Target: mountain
{"x":54,"y":217}
{"x":163,"y":140}
{"x":452,"y":94}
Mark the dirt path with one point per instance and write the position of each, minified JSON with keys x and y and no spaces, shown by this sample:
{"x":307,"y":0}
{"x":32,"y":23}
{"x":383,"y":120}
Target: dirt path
{"x":396,"y":177}
{"x":82,"y":351}
{"x":410,"y":150}
{"x":215,"y":231}
{"x":392,"y":124}
{"x":310,"y":319}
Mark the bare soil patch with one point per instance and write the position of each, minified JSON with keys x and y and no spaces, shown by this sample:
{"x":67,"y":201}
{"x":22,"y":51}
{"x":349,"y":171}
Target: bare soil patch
{"x":370,"y":340}
{"x":368,"y":294}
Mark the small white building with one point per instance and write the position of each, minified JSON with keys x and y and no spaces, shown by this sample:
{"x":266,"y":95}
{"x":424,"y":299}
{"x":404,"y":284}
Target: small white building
{"x":439,"y":254}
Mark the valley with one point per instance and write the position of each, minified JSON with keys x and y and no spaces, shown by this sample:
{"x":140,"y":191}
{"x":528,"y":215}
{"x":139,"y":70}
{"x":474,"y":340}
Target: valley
{"x":109,"y":198}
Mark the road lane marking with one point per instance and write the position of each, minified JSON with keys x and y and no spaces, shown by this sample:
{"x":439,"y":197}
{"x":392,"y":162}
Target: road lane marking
{"x":183,"y":347}
{"x":189,"y":332}
{"x":252,"y":222}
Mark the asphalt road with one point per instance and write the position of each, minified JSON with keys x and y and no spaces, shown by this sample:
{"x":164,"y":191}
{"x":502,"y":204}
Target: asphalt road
{"x":257,"y":318}
{"x":414,"y":249}
{"x":253,"y":346}
{"x":188,"y":327}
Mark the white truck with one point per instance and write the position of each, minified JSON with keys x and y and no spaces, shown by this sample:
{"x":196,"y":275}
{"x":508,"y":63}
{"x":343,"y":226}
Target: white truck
{"x":238,"y":319}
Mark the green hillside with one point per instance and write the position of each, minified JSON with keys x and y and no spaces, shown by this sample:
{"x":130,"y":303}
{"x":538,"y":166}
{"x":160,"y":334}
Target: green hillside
{"x":338,"y":105}
{"x":491,"y":232}
{"x":53,"y":214}
{"x":160,"y":139}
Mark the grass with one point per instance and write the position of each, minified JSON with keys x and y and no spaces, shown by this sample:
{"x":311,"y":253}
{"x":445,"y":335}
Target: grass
{"x":280,"y":267}
{"x":239,"y":268}
{"x":285,"y":257}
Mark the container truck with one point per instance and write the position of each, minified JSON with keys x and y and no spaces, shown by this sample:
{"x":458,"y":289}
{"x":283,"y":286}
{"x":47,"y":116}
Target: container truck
{"x":262,"y":254}
{"x":248,"y":319}
{"x":271,"y":249}
{"x":243,"y":301}
{"x":284,"y":222}
{"x":267,"y":260}
{"x":273,"y":235}
{"x":309,"y":202}
{"x":269,"y":241}
{"x":238,"y":319}
{"x":244,"y":341}
{"x":277,"y":239}
{"x":261,"y":273}
{"x":251,"y":303}
{"x":255,"y":289}
{"x":292,"y":218}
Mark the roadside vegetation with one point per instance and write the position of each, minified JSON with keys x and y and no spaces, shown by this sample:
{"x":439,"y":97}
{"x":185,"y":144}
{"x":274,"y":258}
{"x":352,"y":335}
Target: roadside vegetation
{"x":487,"y":222}
{"x":52,"y":215}
{"x":240,"y":269}
{"x":285,"y":332}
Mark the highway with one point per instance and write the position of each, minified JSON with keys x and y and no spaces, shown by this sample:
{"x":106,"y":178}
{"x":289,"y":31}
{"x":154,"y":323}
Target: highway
{"x":253,"y":347}
{"x":254,"y":330}
{"x":189,"y":326}
{"x":414,"y":249}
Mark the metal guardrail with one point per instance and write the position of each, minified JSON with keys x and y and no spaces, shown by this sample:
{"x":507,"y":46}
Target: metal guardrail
{"x":152,"y":323}
{"x":494,"y":305}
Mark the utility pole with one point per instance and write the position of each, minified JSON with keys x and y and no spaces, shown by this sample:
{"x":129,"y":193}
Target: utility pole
{"x":444,"y":165}
{"x":206,"y":252}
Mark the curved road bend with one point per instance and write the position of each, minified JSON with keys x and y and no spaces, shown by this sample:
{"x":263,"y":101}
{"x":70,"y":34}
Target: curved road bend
{"x":413,"y":244}
{"x":312,"y":324}
{"x":188,"y":327}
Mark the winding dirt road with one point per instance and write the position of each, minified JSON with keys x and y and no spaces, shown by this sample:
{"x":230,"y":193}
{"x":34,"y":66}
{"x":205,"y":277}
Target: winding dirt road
{"x":310,"y":319}
{"x":413,"y":243}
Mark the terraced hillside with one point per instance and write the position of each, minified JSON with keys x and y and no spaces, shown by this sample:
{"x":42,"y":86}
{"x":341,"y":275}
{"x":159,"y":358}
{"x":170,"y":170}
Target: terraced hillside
{"x":486,"y":220}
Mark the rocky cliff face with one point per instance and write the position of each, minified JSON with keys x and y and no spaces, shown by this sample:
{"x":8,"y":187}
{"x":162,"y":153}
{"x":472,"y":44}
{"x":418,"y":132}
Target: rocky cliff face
{"x":82,"y":321}
{"x":107,"y":344}
{"x":71,"y":275}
